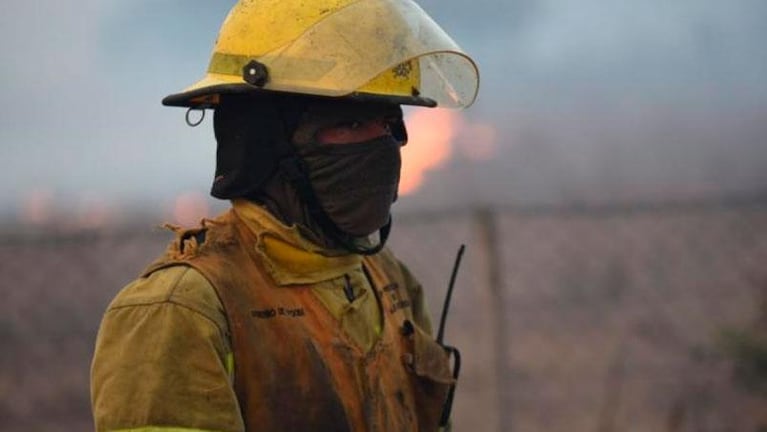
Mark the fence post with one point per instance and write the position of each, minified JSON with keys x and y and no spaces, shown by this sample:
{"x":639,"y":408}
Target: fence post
{"x":486,"y":221}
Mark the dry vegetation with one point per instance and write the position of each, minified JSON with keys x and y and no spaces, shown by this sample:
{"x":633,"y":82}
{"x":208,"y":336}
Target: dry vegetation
{"x":600,"y":321}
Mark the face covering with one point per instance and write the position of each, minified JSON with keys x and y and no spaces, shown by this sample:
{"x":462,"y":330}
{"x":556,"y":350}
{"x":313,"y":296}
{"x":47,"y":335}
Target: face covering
{"x":355,"y":183}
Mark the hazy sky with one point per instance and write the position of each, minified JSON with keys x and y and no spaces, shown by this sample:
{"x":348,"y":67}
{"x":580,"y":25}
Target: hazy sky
{"x":589,"y":98}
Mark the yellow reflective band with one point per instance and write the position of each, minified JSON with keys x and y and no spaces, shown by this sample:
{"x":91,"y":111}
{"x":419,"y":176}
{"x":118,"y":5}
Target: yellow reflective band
{"x":230,"y":364}
{"x":163,"y":429}
{"x":305,"y":68}
{"x":228,"y":64}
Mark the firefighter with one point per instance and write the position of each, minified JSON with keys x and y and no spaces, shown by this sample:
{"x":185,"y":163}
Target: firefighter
{"x":287,"y":313}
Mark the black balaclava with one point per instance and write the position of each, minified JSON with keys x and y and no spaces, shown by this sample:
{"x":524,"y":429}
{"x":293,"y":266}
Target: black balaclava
{"x":251,"y":133}
{"x":337,"y":193}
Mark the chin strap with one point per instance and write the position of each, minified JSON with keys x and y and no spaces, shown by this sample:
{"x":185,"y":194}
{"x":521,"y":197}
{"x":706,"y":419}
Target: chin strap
{"x":294,"y":170}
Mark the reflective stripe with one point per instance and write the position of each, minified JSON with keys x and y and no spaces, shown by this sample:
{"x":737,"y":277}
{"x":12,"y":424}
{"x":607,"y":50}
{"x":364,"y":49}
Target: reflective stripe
{"x":163,"y":429}
{"x":230,"y":364}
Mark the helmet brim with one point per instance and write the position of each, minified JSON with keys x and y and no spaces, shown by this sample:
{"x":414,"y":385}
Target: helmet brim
{"x":206,"y":94}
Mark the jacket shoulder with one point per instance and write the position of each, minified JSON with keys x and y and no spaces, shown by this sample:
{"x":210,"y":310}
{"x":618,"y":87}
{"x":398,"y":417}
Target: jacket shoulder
{"x":178,"y":284}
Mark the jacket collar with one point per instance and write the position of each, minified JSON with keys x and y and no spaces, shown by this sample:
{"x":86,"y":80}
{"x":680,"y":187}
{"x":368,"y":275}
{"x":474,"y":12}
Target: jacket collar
{"x":290,"y":258}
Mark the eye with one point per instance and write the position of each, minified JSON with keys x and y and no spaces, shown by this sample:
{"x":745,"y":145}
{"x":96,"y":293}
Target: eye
{"x":353,"y":125}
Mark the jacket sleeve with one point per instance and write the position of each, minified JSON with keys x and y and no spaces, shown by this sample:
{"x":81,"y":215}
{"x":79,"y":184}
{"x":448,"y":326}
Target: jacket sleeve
{"x":163,"y":358}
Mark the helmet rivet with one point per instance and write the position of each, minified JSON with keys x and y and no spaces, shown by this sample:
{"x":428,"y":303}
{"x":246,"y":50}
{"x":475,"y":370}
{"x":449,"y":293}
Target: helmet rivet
{"x":255,"y":73}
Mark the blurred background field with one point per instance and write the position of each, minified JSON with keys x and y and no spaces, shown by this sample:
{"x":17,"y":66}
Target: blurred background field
{"x":635,"y":318}
{"x":609,"y":183}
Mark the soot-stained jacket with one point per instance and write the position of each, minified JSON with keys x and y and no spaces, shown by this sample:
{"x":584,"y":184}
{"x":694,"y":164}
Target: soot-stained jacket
{"x":244,"y":325}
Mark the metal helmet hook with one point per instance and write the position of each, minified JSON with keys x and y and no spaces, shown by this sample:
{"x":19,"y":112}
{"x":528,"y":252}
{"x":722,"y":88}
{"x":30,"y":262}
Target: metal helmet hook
{"x":188,"y":117}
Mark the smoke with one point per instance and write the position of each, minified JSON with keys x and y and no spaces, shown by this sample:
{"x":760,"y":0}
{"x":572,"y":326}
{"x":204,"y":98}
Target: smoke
{"x":189,"y":208}
{"x":590,"y":99}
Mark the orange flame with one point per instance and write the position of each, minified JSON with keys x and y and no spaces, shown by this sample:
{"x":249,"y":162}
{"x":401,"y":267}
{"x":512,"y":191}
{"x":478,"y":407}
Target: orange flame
{"x":429,"y":145}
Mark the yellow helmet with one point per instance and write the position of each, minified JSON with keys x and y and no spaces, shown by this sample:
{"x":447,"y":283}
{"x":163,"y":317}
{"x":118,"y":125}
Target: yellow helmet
{"x":364,"y":49}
